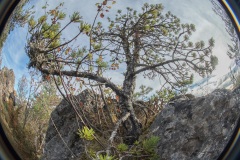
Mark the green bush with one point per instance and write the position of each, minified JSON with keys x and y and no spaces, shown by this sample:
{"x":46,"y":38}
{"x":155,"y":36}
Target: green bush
{"x":122,"y":147}
{"x":149,"y":145}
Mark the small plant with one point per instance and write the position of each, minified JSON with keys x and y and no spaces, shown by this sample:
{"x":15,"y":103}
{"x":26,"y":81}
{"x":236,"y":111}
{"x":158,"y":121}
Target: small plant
{"x":86,"y":133}
{"x":136,"y":143}
{"x":92,"y":153}
{"x":141,"y":149}
{"x":105,"y":157}
{"x":149,"y":145}
{"x":122,"y":147}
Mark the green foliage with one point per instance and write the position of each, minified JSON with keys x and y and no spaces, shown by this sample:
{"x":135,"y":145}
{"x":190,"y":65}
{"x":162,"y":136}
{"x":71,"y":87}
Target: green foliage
{"x":86,"y":133}
{"x":171,"y":37}
{"x":101,"y":64}
{"x":32,"y":22}
{"x":85,"y":27}
{"x":33,"y":121}
{"x":150,"y":144}
{"x":166,"y":94}
{"x":105,"y":157}
{"x":163,"y":96}
{"x":43,"y":102}
{"x":211,"y":42}
{"x":42,"y":19}
{"x":61,"y":15}
{"x":75,"y":17}
{"x":20,"y":15}
{"x":214,"y":61}
{"x":144,"y":90}
{"x":18,"y":18}
{"x":122,"y":147}
{"x":54,"y":44}
{"x":92,"y":153}
{"x":142,"y":149}
{"x":126,"y":40}
{"x":146,"y":147}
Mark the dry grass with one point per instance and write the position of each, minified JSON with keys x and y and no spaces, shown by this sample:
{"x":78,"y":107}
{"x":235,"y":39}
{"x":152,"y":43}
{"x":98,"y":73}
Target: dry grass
{"x":21,"y":139}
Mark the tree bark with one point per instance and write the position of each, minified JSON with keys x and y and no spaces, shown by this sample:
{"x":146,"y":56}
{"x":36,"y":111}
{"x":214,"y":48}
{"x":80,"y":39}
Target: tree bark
{"x":133,"y":126}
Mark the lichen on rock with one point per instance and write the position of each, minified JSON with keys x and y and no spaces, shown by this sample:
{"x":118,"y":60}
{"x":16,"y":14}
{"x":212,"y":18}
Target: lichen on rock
{"x":197,"y":128}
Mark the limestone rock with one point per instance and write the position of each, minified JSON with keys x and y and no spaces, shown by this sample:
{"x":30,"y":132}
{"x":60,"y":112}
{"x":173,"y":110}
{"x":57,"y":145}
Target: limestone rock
{"x":67,"y":124}
{"x":197,"y":128}
{"x":7,"y":80}
{"x":190,"y":129}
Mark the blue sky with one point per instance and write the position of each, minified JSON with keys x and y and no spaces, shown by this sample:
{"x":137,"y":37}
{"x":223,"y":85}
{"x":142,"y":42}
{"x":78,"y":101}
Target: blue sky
{"x":200,"y":13}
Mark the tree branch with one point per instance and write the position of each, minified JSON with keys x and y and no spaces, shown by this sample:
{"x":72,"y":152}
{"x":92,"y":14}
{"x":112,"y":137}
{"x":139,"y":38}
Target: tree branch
{"x":91,"y":76}
{"x":164,"y":63}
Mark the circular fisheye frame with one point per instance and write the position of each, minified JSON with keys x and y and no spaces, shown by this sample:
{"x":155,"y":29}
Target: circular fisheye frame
{"x":111,"y":79}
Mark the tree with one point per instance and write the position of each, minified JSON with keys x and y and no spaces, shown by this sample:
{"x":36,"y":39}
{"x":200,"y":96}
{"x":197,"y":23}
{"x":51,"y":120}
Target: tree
{"x":25,"y":92}
{"x":43,"y":103}
{"x":22,"y":90}
{"x":20,"y":15}
{"x":149,"y":43}
{"x":144,"y":90}
{"x":35,"y":103}
{"x":234,"y":48}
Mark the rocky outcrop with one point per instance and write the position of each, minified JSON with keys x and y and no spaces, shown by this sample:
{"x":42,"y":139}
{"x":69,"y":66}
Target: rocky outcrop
{"x":7,"y":80}
{"x":197,"y":128}
{"x":62,"y":141}
{"x":189,"y":129}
